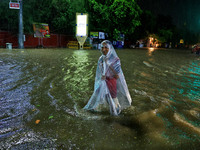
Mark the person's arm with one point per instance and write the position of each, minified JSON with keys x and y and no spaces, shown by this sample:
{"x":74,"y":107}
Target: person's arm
{"x":115,"y":67}
{"x":116,"y":76}
{"x":103,"y":77}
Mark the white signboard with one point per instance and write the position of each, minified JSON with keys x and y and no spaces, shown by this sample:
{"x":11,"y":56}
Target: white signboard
{"x":101,"y":35}
{"x":81,"y":25}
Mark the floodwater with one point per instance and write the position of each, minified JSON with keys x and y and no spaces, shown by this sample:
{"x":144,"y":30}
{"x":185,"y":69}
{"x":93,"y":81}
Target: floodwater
{"x":43,"y":91}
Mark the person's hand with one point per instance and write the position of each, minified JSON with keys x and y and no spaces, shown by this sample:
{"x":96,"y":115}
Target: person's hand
{"x":116,"y":76}
{"x":103,"y":77}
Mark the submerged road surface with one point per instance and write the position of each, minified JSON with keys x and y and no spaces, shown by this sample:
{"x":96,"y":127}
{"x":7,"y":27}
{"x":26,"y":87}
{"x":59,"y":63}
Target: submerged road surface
{"x":43,"y":91}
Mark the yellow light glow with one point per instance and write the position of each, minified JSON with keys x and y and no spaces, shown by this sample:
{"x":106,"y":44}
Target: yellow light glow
{"x":151,"y":49}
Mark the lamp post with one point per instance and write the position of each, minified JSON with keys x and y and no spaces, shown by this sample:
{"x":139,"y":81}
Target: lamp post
{"x":81,"y":28}
{"x":20,"y":36}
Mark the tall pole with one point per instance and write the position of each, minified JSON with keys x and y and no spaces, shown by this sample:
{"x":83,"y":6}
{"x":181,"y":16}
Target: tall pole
{"x":20,"y":38}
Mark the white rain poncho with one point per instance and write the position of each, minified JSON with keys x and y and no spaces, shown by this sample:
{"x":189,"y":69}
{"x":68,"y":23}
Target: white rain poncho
{"x":110,"y":89}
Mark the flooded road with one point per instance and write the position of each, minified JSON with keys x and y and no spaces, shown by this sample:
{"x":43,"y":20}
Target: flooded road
{"x":43,"y":91}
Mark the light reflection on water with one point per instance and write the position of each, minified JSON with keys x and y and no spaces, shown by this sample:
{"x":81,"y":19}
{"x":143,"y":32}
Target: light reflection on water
{"x":53,"y":85}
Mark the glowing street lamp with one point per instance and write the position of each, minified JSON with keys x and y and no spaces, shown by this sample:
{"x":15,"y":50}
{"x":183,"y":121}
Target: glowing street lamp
{"x":81,"y":28}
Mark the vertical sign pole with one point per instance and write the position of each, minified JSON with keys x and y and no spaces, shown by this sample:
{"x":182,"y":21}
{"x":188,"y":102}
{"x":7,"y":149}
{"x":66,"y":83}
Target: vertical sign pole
{"x":20,"y":38}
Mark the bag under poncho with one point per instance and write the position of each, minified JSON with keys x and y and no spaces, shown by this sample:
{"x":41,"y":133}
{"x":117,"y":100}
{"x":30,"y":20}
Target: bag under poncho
{"x":110,"y":89}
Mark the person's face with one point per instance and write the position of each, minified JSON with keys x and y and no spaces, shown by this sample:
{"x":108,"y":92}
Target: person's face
{"x":105,"y":49}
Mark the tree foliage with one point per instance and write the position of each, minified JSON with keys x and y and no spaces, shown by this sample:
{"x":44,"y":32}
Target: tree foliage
{"x":8,"y":17}
{"x":59,"y":14}
{"x":110,"y":16}
{"x":114,"y":16}
{"x":147,"y":27}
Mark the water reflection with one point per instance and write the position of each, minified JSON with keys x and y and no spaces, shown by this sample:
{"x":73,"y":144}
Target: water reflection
{"x":77,"y":71}
{"x":76,"y":76}
{"x":194,"y":75}
{"x":184,"y":96}
{"x":14,"y":101}
{"x":150,"y":50}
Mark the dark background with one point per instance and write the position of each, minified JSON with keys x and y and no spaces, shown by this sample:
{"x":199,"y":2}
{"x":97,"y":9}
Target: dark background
{"x":185,"y":13}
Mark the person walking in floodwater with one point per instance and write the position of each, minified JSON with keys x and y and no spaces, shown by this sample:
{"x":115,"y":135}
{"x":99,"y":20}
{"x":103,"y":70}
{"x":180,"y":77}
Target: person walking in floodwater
{"x":110,"y":88}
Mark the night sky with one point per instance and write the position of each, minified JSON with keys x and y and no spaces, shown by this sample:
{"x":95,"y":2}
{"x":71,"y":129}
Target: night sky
{"x":185,"y":13}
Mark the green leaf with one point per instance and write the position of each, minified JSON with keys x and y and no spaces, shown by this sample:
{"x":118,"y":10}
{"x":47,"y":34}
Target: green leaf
{"x":50,"y":117}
